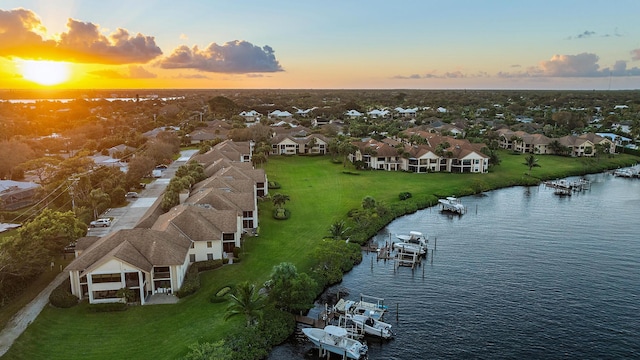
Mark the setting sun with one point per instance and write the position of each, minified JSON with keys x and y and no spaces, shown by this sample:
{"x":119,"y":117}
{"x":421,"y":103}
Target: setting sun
{"x":45,"y":72}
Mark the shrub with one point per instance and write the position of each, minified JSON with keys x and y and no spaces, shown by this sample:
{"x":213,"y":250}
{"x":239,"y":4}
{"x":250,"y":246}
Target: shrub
{"x":221,"y":294}
{"x":274,"y":185}
{"x":208,"y":265}
{"x":108,"y":307}
{"x":191,"y":282}
{"x":61,"y":296}
{"x":236,"y":252}
{"x":404,"y":195}
{"x":281,"y":213}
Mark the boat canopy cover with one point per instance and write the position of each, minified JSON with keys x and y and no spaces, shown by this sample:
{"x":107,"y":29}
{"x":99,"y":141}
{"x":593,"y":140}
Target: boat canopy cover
{"x":335,"y":330}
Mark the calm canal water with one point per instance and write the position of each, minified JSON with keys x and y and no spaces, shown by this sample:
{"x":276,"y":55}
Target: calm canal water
{"x":524,"y":274}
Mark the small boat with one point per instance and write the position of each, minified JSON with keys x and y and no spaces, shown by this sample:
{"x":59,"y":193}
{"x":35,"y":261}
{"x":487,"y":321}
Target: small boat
{"x":334,"y":339}
{"x":627,"y":172}
{"x":414,"y":236}
{"x":410,"y":248}
{"x":371,"y":326}
{"x":452,"y":204}
{"x":415,"y":242}
{"x":375,"y":310}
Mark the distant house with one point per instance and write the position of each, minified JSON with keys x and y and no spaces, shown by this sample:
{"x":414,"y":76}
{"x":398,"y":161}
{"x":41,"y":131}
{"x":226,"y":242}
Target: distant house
{"x":287,"y":144}
{"x":119,"y":151}
{"x":353,"y":114}
{"x":583,"y":145}
{"x":441,"y":154}
{"x":251,"y":116}
{"x":411,"y":113}
{"x":304,"y":112}
{"x":217,"y":129}
{"x":280,"y":114}
{"x":374,"y":114}
{"x":108,"y":161}
{"x":17,"y":194}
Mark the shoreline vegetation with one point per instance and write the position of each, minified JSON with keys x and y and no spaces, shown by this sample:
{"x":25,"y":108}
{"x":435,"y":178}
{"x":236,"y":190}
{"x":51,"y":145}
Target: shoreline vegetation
{"x":321,"y":193}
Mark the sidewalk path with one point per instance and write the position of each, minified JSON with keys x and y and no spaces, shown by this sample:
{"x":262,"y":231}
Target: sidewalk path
{"x":27,"y":314}
{"x":125,"y":218}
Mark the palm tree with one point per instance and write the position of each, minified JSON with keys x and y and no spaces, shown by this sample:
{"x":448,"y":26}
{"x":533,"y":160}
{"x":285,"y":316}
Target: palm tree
{"x":279,"y":200}
{"x":531,"y":161}
{"x":99,"y":200}
{"x":368,"y":202}
{"x":246,"y":301}
{"x":556,"y":147}
{"x":338,"y":230}
{"x":311,"y":144}
{"x":258,"y":159}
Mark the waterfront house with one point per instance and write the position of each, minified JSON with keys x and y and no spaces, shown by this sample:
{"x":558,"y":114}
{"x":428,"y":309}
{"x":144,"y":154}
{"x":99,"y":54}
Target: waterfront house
{"x":143,"y":260}
{"x":213,"y":232}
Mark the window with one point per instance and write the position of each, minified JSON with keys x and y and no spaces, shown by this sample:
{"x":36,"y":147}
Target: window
{"x":105,"y":278}
{"x":209,"y":256}
{"x":228,"y":236}
{"x":193,"y":245}
{"x":209,"y":244}
{"x":192,"y":257}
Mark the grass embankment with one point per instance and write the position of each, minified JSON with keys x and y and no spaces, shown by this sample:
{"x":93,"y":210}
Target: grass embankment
{"x":321,"y":193}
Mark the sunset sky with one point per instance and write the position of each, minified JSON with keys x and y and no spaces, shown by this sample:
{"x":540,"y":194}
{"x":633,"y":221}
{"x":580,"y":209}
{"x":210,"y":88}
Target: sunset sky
{"x":330,"y":44}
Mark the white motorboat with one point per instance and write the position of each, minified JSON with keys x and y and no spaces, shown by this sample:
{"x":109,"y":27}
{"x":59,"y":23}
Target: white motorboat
{"x":410,"y":248}
{"x":375,"y":310}
{"x":409,"y":242}
{"x":452,"y":204}
{"x":334,"y":339}
{"x":371,"y":326}
{"x":414,"y":236}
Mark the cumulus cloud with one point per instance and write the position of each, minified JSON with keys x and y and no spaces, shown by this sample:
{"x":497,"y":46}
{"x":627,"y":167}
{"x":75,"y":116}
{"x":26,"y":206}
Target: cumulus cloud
{"x":134,"y":72}
{"x":234,"y":57}
{"x":20,"y":36}
{"x":581,"y":65}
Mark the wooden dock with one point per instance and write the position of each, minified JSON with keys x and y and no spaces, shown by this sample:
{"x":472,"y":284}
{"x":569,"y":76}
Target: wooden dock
{"x":566,"y":187}
{"x":407,"y":259}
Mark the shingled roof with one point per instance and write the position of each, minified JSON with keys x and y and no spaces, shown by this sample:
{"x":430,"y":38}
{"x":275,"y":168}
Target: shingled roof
{"x":198,"y":223}
{"x":141,"y":248}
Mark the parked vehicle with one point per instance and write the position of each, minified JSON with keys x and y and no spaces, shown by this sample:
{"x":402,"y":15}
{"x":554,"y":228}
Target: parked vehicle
{"x":100,"y":223}
{"x":131,"y":195}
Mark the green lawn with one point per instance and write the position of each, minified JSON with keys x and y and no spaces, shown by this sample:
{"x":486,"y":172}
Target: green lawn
{"x":320,"y":193}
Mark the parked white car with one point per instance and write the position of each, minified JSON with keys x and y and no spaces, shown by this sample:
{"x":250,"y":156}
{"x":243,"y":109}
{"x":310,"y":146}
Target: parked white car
{"x":100,"y":223}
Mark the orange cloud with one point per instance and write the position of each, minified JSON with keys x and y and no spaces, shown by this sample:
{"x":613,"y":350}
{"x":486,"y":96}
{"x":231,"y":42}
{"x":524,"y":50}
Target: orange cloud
{"x":83,"y":43}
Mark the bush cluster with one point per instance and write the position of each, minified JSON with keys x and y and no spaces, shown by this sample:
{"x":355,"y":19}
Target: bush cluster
{"x":404,"y":195}
{"x":62,"y":297}
{"x":191,"y":282}
{"x":256,"y":342}
{"x":208,"y":264}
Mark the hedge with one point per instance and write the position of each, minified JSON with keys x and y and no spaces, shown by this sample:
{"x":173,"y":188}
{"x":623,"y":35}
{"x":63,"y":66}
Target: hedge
{"x":61,"y":297}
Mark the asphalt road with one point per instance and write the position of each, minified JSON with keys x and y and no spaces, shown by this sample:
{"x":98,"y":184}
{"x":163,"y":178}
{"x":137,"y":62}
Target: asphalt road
{"x":124,"y":217}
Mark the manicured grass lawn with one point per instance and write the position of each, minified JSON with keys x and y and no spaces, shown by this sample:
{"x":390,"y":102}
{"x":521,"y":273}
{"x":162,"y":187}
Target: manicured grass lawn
{"x":320,"y":193}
